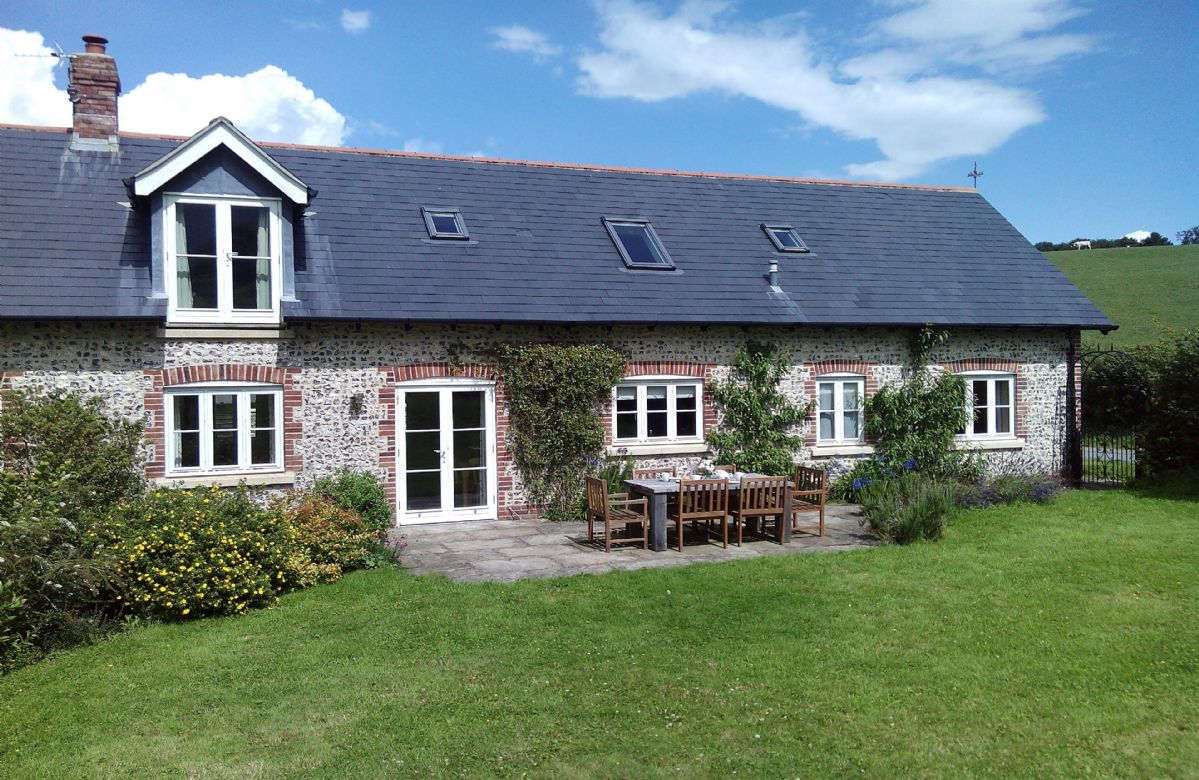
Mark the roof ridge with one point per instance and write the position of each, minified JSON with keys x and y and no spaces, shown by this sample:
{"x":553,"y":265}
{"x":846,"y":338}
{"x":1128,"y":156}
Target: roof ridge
{"x":536,"y":163}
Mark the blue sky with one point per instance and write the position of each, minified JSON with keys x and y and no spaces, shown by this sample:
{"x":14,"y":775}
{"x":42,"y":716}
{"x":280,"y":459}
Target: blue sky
{"x":1081,"y":114}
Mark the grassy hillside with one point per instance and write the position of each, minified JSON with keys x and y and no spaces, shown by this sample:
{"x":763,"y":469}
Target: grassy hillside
{"x":1144,"y":290}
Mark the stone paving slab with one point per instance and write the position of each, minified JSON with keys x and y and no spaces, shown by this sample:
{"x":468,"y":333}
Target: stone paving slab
{"x":507,"y":550}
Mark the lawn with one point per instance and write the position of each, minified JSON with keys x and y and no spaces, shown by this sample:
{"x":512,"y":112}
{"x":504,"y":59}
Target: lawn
{"x":1030,"y":642}
{"x":1144,"y":290}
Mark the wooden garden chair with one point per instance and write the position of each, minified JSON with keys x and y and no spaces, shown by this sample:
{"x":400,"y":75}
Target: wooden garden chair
{"x":652,"y":472}
{"x":615,"y":511}
{"x":809,"y":494}
{"x":702,"y":501}
{"x":762,"y":499}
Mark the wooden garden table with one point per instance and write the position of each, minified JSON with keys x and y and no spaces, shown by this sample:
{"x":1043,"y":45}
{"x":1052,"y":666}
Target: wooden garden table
{"x":658,"y":491}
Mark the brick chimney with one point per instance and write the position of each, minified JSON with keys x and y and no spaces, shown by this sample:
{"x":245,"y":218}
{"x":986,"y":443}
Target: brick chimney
{"x":93,"y":89}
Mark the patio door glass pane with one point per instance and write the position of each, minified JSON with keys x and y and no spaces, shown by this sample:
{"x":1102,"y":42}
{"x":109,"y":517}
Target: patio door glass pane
{"x":422,"y":451}
{"x":470,"y":448}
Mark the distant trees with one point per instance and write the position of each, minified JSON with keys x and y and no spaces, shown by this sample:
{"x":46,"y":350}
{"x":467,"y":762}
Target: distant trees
{"x":1188,"y":236}
{"x":1154,"y":239}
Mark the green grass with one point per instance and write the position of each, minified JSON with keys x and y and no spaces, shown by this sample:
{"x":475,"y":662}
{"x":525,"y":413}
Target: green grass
{"x":1144,"y":290}
{"x":1030,"y":642}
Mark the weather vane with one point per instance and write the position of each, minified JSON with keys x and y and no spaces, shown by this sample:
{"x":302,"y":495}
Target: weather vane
{"x":974,"y":174}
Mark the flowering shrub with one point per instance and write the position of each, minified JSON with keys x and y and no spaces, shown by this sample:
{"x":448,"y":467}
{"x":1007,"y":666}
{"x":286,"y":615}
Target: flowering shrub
{"x":847,"y":485}
{"x":188,"y":553}
{"x":333,"y":540}
{"x":1008,"y":489}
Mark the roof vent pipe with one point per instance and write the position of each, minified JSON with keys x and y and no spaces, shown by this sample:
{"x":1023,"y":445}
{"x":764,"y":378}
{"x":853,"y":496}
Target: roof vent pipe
{"x":773,"y":273}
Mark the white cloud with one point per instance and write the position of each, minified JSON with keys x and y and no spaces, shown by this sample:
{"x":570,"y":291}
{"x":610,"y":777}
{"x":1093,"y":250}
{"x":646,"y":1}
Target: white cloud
{"x":521,"y":39}
{"x":355,"y":21}
{"x":895,"y":95}
{"x":267,"y":105}
{"x":1137,"y":235}
{"x":27,"y":92}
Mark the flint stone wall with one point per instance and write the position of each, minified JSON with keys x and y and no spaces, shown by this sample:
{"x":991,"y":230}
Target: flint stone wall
{"x":339,"y":363}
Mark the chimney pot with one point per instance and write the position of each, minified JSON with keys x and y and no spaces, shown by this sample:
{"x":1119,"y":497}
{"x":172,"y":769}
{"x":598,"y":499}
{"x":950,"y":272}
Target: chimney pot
{"x":94,"y":44}
{"x":773,"y":273}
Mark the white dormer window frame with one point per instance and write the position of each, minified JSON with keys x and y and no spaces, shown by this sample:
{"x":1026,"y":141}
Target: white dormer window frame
{"x":226,"y":262}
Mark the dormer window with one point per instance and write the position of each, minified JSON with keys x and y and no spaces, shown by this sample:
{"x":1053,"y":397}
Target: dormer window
{"x":785,"y":238}
{"x":638,"y":244}
{"x":445,"y":223}
{"x":223,"y":259}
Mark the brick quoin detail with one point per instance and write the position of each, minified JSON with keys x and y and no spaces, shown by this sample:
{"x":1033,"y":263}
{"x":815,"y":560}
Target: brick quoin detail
{"x":6,"y":378}
{"x":673,"y":368}
{"x":387,"y":426}
{"x":824,"y":368}
{"x":1004,"y":366}
{"x":155,"y":415}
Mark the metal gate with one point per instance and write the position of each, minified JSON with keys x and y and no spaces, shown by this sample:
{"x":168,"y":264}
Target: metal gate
{"x":1115,"y":399}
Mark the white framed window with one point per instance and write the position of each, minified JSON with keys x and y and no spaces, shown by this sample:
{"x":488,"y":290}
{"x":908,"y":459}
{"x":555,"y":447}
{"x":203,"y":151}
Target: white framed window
{"x":839,"y":408}
{"x":223,"y":259}
{"x":223,"y":429}
{"x":990,"y":401}
{"x":658,"y":410}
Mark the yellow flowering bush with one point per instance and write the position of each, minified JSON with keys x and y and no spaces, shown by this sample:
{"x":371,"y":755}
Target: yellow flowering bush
{"x":190,"y":553}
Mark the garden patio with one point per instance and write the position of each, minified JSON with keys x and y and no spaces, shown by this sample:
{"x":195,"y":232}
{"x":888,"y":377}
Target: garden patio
{"x":506,"y":550}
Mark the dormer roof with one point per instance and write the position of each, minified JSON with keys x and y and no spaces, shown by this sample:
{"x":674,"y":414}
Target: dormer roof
{"x":219,"y":132}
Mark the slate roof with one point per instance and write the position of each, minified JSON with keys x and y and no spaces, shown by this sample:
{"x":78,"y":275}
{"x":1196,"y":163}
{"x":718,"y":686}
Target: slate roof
{"x":881,"y":255}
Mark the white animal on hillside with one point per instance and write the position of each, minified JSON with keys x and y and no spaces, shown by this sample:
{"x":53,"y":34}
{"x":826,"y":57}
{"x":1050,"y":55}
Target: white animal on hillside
{"x":1081,"y":244}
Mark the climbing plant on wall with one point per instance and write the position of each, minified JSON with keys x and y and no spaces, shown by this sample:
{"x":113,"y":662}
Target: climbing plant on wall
{"x":556,"y":395}
{"x":756,"y":432}
{"x":916,"y":420}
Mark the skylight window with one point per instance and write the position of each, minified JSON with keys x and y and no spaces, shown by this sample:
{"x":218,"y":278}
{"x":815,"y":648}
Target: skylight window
{"x":445,"y":223}
{"x":785,"y":239}
{"x":638,"y":244}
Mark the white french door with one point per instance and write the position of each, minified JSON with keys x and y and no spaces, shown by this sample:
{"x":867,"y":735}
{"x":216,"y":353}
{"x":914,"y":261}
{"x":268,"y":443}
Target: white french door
{"x":445,"y":453}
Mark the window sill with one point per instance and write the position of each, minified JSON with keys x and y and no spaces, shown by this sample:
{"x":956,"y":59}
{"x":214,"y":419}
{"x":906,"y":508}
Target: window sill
{"x":829,"y":450}
{"x":1011,"y":443}
{"x":273,"y":479}
{"x":226,"y":333}
{"x":686,"y":448}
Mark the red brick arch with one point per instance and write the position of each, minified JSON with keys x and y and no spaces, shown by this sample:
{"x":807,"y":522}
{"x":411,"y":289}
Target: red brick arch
{"x":821,"y":368}
{"x":442,"y":370}
{"x":160,"y":379}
